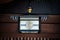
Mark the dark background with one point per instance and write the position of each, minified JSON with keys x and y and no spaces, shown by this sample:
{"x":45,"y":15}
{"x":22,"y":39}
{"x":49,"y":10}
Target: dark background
{"x":38,"y":6}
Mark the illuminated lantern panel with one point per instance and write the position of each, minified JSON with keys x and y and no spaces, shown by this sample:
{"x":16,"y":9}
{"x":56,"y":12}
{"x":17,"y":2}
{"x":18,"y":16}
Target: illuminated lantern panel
{"x":29,"y":24}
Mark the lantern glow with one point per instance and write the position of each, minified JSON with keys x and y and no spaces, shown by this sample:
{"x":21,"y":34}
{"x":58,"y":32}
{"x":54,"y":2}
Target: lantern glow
{"x":29,"y":10}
